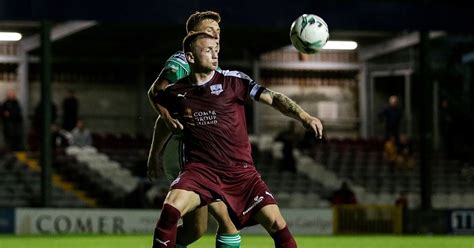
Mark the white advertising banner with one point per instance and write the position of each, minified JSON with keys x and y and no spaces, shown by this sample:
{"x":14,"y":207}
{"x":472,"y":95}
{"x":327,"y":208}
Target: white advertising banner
{"x":108,"y":221}
{"x":302,"y":222}
{"x":87,"y":221}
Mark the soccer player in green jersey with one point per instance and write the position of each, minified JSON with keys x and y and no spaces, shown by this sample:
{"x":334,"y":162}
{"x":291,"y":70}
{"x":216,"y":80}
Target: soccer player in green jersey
{"x":195,"y":222}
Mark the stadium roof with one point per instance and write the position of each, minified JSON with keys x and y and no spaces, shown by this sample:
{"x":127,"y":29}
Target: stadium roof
{"x":154,"y":28}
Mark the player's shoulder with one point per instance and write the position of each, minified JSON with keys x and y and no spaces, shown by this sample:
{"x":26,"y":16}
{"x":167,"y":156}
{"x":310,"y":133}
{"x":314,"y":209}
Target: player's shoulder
{"x":178,"y":56}
{"x":181,"y":83}
{"x":178,"y":59}
{"x":235,"y":74}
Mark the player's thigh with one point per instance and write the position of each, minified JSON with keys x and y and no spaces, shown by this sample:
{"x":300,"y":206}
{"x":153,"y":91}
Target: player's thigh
{"x":195,"y":221}
{"x":270,"y":218}
{"x":183,"y":200}
{"x":218,"y":209}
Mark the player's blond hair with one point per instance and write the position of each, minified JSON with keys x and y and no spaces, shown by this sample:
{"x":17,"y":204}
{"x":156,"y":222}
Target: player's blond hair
{"x":191,"y":37}
{"x":198,"y":16}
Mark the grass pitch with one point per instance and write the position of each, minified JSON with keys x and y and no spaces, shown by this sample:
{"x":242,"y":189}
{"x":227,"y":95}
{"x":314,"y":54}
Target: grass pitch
{"x":248,"y":241}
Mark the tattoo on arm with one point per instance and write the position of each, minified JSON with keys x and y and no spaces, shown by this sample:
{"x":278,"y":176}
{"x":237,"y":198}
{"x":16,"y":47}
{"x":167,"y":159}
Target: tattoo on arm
{"x":285,"y":105}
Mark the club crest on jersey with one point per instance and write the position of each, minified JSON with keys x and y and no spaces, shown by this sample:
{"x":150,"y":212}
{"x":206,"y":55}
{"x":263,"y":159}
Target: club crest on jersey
{"x":216,"y":89}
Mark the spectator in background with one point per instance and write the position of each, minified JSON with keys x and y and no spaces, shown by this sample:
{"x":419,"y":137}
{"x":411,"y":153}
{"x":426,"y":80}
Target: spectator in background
{"x":34,"y":135}
{"x":289,"y":137}
{"x":390,"y":152}
{"x":392,"y":115}
{"x":60,"y":138}
{"x":402,"y":201}
{"x":405,"y":157}
{"x":447,"y":128}
{"x":81,"y":136}
{"x":344,"y":195}
{"x":38,"y":117}
{"x":308,"y":142}
{"x":70,"y":111}
{"x":12,"y":122}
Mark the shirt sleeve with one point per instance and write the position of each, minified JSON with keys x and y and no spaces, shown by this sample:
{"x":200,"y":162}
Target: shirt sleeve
{"x":162,"y":97}
{"x":173,"y":71}
{"x":245,"y":87}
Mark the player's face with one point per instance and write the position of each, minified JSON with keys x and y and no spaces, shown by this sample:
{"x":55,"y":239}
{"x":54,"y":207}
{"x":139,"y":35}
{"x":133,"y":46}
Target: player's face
{"x":206,"y":54}
{"x":209,"y":26}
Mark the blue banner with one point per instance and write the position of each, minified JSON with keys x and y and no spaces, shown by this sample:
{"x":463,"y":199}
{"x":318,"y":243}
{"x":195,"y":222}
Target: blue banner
{"x":7,"y":220}
{"x":462,"y":221}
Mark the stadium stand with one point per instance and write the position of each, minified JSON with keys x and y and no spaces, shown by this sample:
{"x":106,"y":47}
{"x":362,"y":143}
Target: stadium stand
{"x":20,"y":186}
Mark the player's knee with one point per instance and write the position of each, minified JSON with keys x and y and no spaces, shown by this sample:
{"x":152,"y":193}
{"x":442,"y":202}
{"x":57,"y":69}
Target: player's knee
{"x":225,"y":223}
{"x":227,"y":227}
{"x":277,"y":223}
{"x":172,"y":202}
{"x":272,"y":221}
{"x":182,"y":200}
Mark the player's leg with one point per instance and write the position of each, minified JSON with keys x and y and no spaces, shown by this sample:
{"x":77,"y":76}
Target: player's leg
{"x":177,"y":204}
{"x":271,"y":219}
{"x":227,"y":234}
{"x":193,"y":227}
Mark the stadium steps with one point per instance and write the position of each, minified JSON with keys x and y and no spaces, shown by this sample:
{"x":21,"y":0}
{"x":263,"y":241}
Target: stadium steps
{"x":57,"y":180}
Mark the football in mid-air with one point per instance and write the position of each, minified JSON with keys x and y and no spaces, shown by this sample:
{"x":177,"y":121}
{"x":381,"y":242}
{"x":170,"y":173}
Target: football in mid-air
{"x":309,"y":33}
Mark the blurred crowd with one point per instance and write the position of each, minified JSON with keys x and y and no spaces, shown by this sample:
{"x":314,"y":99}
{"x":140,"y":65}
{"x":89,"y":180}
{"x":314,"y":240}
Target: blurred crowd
{"x":71,"y":131}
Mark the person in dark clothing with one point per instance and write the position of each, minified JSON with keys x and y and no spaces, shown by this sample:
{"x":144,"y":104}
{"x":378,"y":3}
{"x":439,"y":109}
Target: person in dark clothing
{"x":344,"y":195}
{"x":12,"y":122}
{"x":38,"y":117}
{"x":402,"y":201}
{"x":34,"y":135}
{"x":447,"y":128}
{"x":70,"y":111}
{"x":289,"y":138}
{"x":392,"y":115}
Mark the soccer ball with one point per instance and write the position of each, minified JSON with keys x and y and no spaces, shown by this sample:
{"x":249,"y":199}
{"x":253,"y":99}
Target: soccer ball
{"x":309,"y":33}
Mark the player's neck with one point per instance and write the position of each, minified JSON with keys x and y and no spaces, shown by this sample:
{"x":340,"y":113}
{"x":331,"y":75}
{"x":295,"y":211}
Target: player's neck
{"x":200,"y":78}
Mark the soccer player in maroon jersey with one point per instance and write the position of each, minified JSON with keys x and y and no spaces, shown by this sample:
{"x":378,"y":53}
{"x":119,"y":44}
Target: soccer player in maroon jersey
{"x":218,"y":162}
{"x":194,"y":223}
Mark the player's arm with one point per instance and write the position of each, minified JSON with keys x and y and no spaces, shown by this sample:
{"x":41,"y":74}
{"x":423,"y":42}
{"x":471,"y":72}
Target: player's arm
{"x":173,"y":70}
{"x":154,"y":95}
{"x":289,"y":108}
{"x":161,"y":134}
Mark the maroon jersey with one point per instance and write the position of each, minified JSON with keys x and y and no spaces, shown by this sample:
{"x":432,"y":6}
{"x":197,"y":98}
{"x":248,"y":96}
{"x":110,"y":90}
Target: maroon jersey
{"x":213,"y":115}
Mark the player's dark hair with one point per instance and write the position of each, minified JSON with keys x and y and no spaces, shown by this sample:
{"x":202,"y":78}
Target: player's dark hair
{"x":191,"y":37}
{"x":198,"y":16}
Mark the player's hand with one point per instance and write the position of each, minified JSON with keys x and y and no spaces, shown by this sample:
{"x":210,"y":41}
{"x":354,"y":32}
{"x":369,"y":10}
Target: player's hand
{"x":314,"y":124}
{"x":154,"y":166}
{"x":173,"y":124}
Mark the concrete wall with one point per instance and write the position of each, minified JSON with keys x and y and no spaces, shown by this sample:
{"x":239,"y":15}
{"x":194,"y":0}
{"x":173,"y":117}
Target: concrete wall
{"x":105,"y":107}
{"x":335,"y":105}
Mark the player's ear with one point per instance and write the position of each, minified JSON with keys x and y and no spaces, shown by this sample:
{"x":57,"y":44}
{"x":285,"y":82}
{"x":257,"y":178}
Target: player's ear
{"x":190,"y":57}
